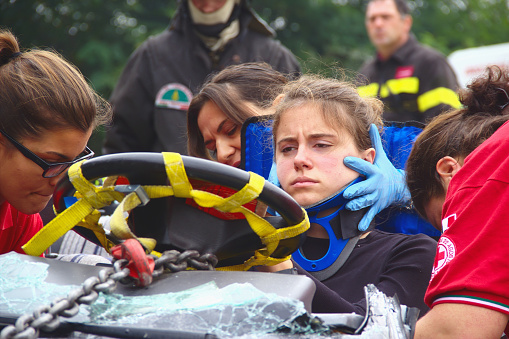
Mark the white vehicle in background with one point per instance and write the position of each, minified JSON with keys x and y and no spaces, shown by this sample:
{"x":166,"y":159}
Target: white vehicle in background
{"x":471,"y":62}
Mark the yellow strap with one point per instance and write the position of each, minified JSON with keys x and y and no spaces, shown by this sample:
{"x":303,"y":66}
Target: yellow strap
{"x":92,"y":199}
{"x":57,"y":227}
{"x":272,"y":238}
{"x":118,"y":221}
{"x":97,"y":196}
{"x":110,"y":181}
{"x":437,"y":96}
{"x":256,"y":260}
{"x":177,"y":175}
{"x":288,"y":232}
{"x":264,"y":229}
{"x":91,"y":222}
{"x":269,"y":235}
{"x":249,"y":192}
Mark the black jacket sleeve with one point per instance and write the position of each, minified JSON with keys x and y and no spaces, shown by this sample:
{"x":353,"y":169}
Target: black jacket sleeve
{"x":133,"y":107}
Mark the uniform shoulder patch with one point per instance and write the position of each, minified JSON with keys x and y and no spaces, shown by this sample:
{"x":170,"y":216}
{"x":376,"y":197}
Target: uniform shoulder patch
{"x":404,"y":72}
{"x":174,"y":95}
{"x":446,"y":251}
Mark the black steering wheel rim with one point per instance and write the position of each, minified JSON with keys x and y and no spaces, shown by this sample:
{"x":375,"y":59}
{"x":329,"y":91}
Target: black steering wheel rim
{"x":130,"y":164}
{"x":148,"y":169}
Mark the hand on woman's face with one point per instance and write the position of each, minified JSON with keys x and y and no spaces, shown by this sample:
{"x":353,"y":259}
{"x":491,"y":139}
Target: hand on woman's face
{"x":309,"y":155}
{"x":21,"y":180}
{"x":220,"y":134}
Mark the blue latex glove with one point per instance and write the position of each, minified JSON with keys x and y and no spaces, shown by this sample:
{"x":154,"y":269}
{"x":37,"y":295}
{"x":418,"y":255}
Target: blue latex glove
{"x":384,"y":185}
{"x":273,"y":175}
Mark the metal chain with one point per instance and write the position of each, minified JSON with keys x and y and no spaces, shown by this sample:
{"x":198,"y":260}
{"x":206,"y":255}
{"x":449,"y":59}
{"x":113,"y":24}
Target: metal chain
{"x":47,"y":317}
{"x":175,"y":261}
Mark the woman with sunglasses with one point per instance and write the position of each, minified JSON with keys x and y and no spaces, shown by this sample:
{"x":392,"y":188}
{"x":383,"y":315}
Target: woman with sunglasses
{"x":47,"y":114}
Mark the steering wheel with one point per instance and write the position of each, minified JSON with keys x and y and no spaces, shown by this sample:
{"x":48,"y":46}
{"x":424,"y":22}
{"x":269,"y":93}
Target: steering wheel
{"x":176,"y":224}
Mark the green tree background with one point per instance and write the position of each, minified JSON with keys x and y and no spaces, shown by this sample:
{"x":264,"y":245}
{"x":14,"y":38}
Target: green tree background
{"x":326,"y":35}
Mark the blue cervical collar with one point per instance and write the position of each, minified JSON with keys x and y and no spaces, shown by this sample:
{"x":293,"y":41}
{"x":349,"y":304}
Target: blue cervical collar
{"x":336,"y":245}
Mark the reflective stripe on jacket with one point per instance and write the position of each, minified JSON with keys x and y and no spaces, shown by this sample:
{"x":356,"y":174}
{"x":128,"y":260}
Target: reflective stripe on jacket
{"x":416,"y":83}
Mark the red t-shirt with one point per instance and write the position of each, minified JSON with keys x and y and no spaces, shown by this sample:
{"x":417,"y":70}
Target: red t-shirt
{"x":16,"y":228}
{"x":471,"y":264}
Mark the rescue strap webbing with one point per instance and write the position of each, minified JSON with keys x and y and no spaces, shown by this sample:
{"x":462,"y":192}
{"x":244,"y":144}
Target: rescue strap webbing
{"x":93,"y":198}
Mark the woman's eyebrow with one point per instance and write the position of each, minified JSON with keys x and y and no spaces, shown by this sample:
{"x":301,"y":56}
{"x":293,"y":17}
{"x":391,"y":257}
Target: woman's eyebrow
{"x":60,"y":155}
{"x":322,"y":135}
{"x":221,"y":125}
{"x":312,"y":136}
{"x":287,"y":139}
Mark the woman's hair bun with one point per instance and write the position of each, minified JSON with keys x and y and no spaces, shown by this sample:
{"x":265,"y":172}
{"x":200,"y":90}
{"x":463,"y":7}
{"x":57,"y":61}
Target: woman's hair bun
{"x":487,"y":94}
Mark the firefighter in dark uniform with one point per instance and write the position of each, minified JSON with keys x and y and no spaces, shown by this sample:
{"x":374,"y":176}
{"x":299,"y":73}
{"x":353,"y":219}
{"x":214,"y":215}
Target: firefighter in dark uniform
{"x":414,"y":82}
{"x":153,"y":93}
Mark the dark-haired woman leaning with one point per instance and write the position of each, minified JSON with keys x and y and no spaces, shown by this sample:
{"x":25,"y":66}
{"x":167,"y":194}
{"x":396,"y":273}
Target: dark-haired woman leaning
{"x":47,"y":114}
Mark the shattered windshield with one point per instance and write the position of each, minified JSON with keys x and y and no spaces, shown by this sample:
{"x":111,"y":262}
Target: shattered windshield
{"x":234,"y":310}
{"x":203,"y":311}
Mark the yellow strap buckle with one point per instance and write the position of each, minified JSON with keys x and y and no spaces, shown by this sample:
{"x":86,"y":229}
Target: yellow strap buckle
{"x":137,"y":189}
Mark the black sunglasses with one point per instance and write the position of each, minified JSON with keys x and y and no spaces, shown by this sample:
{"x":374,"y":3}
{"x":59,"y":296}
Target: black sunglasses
{"x":51,"y":169}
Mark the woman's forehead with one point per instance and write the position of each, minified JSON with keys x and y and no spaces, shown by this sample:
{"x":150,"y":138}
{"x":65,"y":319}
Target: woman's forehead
{"x":314,"y":114}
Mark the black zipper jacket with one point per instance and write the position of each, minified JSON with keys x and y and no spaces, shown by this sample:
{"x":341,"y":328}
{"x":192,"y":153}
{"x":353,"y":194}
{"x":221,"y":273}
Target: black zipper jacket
{"x":415,"y":83}
{"x":151,"y":97}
